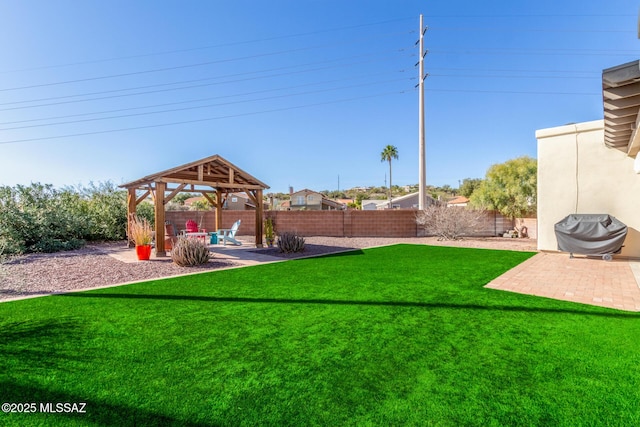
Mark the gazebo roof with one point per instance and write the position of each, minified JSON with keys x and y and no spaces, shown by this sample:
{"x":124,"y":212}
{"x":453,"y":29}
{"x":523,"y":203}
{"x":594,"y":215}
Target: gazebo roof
{"x":213,"y":171}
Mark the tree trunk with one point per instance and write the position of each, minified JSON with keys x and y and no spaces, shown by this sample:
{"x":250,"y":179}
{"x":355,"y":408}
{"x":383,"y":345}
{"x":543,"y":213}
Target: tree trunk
{"x":390,"y":182}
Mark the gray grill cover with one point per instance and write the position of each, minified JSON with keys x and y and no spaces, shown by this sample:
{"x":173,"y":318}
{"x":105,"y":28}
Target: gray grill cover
{"x":590,"y":234}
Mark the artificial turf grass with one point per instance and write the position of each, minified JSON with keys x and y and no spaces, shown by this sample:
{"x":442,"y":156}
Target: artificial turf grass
{"x":397,"y":335}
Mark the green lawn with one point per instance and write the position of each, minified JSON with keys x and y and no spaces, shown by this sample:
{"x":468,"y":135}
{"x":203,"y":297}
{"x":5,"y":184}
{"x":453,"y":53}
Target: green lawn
{"x":402,"y":335}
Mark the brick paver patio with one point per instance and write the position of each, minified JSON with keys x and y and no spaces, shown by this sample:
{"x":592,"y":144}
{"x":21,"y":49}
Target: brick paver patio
{"x":580,"y":279}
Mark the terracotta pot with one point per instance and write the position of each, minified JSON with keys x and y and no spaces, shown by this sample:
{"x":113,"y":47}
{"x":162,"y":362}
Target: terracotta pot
{"x":143,"y":252}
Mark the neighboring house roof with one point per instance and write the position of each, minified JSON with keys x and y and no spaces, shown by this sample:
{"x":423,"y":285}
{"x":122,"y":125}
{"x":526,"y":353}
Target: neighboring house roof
{"x":376,"y":204}
{"x":332,"y":204}
{"x":384,"y":204}
{"x":458,"y":201}
{"x":305,"y":192}
{"x":192,"y":200}
{"x":344,"y":201}
{"x":412,"y":196}
{"x":323,"y":199}
{"x":241,"y":195}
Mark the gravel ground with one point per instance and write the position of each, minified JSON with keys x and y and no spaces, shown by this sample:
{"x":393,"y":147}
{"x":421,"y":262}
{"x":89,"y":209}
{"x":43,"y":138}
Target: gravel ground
{"x":90,"y":267}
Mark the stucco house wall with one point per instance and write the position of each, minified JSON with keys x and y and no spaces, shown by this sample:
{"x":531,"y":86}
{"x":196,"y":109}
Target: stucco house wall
{"x":306,"y":199}
{"x":578,"y":173}
{"x":236,"y":202}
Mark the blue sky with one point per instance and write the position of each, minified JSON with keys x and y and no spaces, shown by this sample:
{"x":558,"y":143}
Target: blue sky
{"x":300,"y":93}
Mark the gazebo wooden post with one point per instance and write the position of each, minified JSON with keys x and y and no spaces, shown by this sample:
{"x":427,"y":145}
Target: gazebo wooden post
{"x":218,"y":209}
{"x":160,"y":218}
{"x":131,"y":210}
{"x":259,"y":220}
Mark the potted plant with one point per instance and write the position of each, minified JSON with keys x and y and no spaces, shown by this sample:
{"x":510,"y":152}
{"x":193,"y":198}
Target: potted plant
{"x":141,"y":233}
{"x":269,"y":232}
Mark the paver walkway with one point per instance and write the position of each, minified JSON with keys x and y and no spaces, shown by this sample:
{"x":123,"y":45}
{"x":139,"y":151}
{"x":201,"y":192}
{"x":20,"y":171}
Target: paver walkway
{"x":241,"y":255}
{"x":580,"y":279}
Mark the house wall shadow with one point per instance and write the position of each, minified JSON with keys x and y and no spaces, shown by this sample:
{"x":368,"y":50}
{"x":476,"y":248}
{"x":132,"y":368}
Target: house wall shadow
{"x":408,"y":304}
{"x":632,"y":243}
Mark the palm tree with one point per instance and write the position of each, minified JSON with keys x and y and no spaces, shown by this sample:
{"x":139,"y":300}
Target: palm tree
{"x":389,"y":152}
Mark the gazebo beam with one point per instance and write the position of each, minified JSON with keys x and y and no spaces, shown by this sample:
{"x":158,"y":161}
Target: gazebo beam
{"x":224,"y":185}
{"x":141,"y":198}
{"x":209,"y":198}
{"x":174,"y":192}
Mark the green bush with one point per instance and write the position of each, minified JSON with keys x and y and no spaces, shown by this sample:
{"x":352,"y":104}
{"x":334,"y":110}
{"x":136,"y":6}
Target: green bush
{"x":39,"y":218}
{"x":106,"y":211}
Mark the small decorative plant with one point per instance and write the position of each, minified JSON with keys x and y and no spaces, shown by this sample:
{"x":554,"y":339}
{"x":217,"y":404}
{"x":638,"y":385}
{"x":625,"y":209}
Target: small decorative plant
{"x":269,"y":232}
{"x":190,"y":252}
{"x":140,"y":231}
{"x":290,"y":243}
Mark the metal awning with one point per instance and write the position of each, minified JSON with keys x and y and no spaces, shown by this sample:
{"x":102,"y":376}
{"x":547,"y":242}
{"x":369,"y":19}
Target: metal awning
{"x":621,"y":101}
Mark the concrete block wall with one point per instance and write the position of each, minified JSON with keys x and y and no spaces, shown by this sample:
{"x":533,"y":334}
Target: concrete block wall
{"x":310,"y":223}
{"x":349,"y":223}
{"x":205,"y":219}
{"x":387,"y":223}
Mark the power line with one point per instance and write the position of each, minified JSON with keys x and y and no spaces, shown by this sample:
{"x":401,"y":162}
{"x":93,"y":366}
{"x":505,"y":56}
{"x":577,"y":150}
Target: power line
{"x":526,"y":30}
{"x":512,"y":70}
{"x":200,"y":120}
{"x":229,"y":44}
{"x":534,"y":15}
{"x":537,"y":52}
{"x":514,"y":76}
{"x":178,"y":67}
{"x":136,"y":93}
{"x":560,"y":50}
{"x":205,"y":106}
{"x":513,"y":92}
{"x":259,"y":72}
{"x":190,"y":100}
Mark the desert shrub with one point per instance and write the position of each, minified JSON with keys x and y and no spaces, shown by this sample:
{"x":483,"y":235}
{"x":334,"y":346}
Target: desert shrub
{"x":449,"y":223}
{"x":190,"y":252}
{"x":290,"y":243}
{"x":104,"y":210}
{"x":38,"y":218}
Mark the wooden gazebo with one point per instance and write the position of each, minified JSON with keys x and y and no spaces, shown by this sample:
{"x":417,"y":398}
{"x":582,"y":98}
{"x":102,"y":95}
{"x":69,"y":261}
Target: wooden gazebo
{"x":213,"y":177}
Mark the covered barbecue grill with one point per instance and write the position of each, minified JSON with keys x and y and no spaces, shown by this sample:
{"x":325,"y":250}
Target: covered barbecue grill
{"x":591,"y":234}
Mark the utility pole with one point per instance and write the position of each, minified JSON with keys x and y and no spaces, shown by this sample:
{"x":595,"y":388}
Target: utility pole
{"x":422,"y":179}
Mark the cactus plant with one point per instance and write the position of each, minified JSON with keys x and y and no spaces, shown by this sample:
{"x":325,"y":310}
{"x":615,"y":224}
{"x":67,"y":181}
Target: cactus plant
{"x":190,"y":252}
{"x":290,"y":243}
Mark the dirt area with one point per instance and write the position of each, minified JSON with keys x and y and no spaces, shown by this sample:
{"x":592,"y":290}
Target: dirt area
{"x":91,"y":266}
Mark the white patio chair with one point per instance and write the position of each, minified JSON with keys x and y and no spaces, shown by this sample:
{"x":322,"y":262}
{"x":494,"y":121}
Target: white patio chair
{"x":229,"y":234}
